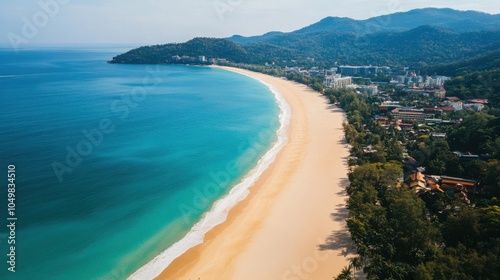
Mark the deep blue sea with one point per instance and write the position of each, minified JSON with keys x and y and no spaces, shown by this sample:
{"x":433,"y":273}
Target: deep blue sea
{"x":115,"y":163}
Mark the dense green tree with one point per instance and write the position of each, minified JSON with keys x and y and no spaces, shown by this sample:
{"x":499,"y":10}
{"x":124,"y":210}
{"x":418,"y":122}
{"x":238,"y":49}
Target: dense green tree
{"x":345,"y":274}
{"x":454,"y":167}
{"x":473,"y":130}
{"x":394,"y":150}
{"x":463,"y":228}
{"x":435,"y":166}
{"x":318,"y":86}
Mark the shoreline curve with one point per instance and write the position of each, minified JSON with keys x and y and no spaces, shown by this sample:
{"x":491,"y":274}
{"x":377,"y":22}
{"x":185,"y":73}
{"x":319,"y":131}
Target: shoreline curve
{"x":292,"y":224}
{"x":220,"y":209}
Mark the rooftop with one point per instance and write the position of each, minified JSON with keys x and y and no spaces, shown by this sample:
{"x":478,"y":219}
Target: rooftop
{"x":452,"y":98}
{"x":478,"y":101}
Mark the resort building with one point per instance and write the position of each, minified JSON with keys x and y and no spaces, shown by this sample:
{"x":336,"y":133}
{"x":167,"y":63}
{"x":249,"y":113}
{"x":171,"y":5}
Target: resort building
{"x":358,"y":70}
{"x":436,"y":135}
{"x":414,"y":80}
{"x":411,"y":115}
{"x":456,"y":183}
{"x":436,"y":81}
{"x":370,"y":90}
{"x":417,"y":181}
{"x":474,"y":106}
{"x":388,"y":106}
{"x":421,"y":182}
{"x":337,"y":81}
{"x":202,"y":59}
{"x":455,"y":102}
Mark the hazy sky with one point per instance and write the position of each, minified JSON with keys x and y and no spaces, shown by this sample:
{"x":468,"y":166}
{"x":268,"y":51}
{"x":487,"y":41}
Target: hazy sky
{"x":27,"y":23}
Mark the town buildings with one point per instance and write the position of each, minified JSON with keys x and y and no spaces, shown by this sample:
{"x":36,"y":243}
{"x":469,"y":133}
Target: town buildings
{"x":358,"y":70}
{"x":414,"y":80}
{"x":337,"y":81}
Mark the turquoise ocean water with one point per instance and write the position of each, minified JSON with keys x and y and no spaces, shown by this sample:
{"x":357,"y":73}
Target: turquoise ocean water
{"x":116,"y":163}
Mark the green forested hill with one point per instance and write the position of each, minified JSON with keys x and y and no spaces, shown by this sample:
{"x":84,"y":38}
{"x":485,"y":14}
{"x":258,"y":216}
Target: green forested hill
{"x":483,"y":62}
{"x":419,"y":38}
{"x":476,"y":77}
{"x":161,"y":54}
{"x":419,"y":47}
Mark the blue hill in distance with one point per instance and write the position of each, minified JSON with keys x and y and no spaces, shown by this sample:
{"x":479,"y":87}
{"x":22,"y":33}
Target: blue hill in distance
{"x":458,"y":21}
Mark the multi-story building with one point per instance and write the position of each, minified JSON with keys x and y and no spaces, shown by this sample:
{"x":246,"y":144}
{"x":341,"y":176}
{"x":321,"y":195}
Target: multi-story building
{"x":436,"y":81}
{"x":454,"y":102}
{"x":414,"y":80}
{"x":202,"y":58}
{"x":411,"y":115}
{"x":337,"y":81}
{"x":370,"y":90}
{"x":358,"y":70}
{"x":474,"y":106}
{"x":388,"y":106}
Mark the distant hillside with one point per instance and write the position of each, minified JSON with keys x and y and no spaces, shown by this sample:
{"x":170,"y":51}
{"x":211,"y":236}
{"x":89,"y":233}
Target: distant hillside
{"x":424,"y":45}
{"x":477,"y":77}
{"x":420,"y":39}
{"x":421,"y":48}
{"x":260,"y":53}
{"x":483,"y":84}
{"x":337,"y":25}
{"x":484,"y":62}
{"x":249,"y":40}
{"x":458,"y":21}
{"x":427,"y":45}
{"x":211,"y":48}
{"x":161,"y":54}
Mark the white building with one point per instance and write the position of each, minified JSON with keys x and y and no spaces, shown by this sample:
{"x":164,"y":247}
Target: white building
{"x":454,"y":102}
{"x":337,"y":81}
{"x":475,"y":106}
{"x":436,"y":81}
{"x":422,"y":81}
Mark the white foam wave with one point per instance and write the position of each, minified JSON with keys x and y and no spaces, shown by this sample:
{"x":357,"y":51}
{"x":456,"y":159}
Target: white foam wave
{"x":220,"y":209}
{"x":24,"y":75}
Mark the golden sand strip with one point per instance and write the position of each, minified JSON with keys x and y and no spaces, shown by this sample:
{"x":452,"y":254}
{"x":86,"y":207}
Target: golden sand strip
{"x":292,"y":225}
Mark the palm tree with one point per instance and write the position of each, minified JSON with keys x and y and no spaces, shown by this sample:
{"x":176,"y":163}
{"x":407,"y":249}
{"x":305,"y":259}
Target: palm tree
{"x":356,"y":263}
{"x":345,"y":274}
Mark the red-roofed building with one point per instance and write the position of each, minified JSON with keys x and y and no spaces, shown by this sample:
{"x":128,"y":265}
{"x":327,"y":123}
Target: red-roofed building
{"x":411,"y":115}
{"x":436,"y":111}
{"x":452,"y":98}
{"x":448,"y":109}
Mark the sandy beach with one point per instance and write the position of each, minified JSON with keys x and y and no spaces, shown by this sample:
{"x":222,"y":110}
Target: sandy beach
{"x":292,"y":224}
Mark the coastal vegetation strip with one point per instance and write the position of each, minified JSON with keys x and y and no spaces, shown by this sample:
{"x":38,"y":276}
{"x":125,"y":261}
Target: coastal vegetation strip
{"x":403,"y":233}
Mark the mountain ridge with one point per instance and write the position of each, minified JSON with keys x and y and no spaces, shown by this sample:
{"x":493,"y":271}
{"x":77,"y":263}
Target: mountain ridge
{"x":317,"y":44}
{"x":460,"y":21}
